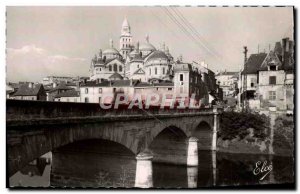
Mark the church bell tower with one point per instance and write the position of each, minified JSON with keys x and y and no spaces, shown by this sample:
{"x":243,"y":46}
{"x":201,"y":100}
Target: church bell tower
{"x":125,"y":39}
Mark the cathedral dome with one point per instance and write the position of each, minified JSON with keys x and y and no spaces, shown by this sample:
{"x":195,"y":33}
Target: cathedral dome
{"x":111,"y":51}
{"x":147,"y":47}
{"x":157,"y":55}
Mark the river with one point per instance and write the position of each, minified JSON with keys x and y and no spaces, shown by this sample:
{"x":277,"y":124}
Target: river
{"x":103,"y":170}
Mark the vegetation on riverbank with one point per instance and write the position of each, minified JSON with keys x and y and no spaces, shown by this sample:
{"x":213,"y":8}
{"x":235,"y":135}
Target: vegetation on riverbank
{"x":244,"y":132}
{"x":237,"y":124}
{"x":250,"y":133}
{"x":284,"y":135}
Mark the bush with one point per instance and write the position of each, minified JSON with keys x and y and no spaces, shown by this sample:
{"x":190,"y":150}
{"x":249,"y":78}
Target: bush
{"x":234,"y":124}
{"x":284,"y":133}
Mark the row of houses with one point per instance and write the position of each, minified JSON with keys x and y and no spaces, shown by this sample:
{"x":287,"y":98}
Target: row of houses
{"x":188,"y":79}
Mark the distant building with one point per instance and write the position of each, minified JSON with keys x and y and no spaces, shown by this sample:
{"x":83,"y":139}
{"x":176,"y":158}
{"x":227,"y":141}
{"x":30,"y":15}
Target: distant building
{"x":228,"y":81}
{"x":68,"y":96}
{"x":56,"y":79}
{"x":57,"y":89}
{"x":268,"y":80}
{"x":30,"y":91}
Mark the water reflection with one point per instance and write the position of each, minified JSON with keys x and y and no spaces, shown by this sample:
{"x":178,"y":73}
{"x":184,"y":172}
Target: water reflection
{"x":35,"y":174}
{"x":91,"y":169}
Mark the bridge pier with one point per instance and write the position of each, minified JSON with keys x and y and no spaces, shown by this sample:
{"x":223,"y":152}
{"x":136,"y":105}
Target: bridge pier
{"x":144,"y":170}
{"x":215,"y":129}
{"x":192,"y":152}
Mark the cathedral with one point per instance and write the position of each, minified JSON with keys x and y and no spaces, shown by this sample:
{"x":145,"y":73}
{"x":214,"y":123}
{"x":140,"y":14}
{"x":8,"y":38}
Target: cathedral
{"x":139,"y":61}
{"x":141,"y":68}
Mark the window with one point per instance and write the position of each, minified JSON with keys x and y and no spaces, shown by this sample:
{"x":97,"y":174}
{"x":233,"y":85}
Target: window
{"x":272,"y":67}
{"x":99,"y":99}
{"x":100,"y":90}
{"x":155,"y":70}
{"x":138,"y":66}
{"x":169,"y":89}
{"x":272,"y":80}
{"x":191,"y":79}
{"x":100,"y":69}
{"x":181,"y":77}
{"x":86,"y":99}
{"x":196,"y":80}
{"x":120,"y":68}
{"x":114,"y":90}
{"x":150,"y":71}
{"x":115,"y":67}
{"x":163,"y":70}
{"x":110,"y":68}
{"x":272,"y":95}
{"x":86,"y":90}
{"x":252,"y":84}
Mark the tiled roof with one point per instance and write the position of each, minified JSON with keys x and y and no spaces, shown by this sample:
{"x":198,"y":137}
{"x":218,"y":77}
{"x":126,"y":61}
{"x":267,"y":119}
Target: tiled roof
{"x":25,"y":90}
{"x":253,"y":63}
{"x":164,"y":84}
{"x":137,"y":71}
{"x":61,"y":86}
{"x":121,"y":83}
{"x":111,"y":83}
{"x":142,"y":84}
{"x":104,"y":83}
{"x":68,"y":93}
{"x":182,"y":67}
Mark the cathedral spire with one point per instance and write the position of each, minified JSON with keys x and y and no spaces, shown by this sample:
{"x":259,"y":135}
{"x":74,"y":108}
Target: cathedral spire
{"x":125,"y":27}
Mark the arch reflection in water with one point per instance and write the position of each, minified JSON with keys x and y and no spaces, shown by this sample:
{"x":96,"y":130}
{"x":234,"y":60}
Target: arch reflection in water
{"x":93,"y":163}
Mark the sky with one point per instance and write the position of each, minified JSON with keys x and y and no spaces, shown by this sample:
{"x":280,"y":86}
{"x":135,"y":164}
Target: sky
{"x":61,"y":41}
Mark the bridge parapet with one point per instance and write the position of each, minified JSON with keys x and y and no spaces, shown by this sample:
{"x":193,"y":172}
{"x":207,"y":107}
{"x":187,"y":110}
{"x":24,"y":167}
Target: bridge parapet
{"x":24,"y":110}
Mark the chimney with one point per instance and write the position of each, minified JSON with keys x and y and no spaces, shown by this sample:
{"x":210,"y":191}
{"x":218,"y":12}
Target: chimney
{"x":285,"y":49}
{"x":30,"y":85}
{"x":245,"y":54}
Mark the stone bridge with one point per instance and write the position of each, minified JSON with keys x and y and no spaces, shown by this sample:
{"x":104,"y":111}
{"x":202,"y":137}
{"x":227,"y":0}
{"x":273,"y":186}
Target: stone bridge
{"x":37,"y":127}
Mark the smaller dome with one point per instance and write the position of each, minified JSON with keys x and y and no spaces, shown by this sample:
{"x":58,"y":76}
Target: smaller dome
{"x":111,"y":51}
{"x":157,"y":55}
{"x":147,"y":47}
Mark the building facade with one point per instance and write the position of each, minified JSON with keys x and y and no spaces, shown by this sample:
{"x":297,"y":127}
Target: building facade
{"x":268,"y":80}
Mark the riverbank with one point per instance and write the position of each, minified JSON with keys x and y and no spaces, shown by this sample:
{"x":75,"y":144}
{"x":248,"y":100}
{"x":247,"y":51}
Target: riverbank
{"x":251,"y":146}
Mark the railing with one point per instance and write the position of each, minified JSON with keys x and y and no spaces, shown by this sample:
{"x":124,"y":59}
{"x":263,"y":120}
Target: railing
{"x":26,"y":110}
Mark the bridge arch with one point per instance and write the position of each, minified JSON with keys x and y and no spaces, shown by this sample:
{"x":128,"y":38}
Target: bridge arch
{"x":30,"y":147}
{"x":204,"y":133}
{"x":169,"y":143}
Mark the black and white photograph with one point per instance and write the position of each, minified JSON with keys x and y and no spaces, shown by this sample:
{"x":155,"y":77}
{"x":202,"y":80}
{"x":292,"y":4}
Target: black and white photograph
{"x":150,"y":97}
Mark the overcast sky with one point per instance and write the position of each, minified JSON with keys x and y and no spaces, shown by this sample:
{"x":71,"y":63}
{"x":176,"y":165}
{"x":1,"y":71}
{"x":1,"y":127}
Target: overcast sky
{"x":61,"y":41}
